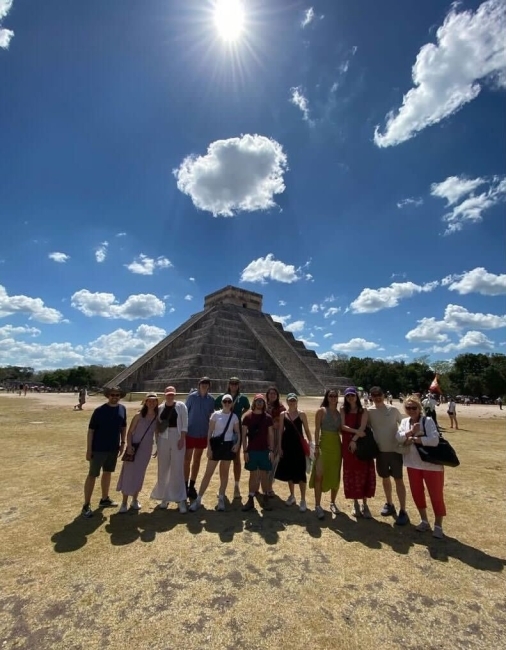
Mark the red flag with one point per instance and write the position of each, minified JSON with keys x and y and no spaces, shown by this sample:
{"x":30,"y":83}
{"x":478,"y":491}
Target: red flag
{"x":434,"y":387}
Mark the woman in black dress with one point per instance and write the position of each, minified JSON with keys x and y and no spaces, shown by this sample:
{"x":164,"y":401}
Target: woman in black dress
{"x":292,"y":463}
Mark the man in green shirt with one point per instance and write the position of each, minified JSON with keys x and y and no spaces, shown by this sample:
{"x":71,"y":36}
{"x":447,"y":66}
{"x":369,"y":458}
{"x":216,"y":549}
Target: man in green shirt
{"x":240,"y":406}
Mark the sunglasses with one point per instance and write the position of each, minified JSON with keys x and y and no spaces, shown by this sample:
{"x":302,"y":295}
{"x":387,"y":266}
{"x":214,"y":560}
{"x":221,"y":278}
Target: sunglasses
{"x":226,"y":401}
{"x":333,"y":395}
{"x":412,"y":408}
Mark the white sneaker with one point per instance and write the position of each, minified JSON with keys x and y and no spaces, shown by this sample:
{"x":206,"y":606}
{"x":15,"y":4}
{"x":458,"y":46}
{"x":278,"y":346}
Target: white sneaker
{"x":195,"y":505}
{"x":438,"y":532}
{"x":163,"y":505}
{"x":136,"y":505}
{"x":123,"y":508}
{"x":423,"y":526}
{"x":221,"y":503}
{"x":291,"y":501}
{"x":320,"y":512}
{"x":183,"y":509}
{"x":303,"y":506}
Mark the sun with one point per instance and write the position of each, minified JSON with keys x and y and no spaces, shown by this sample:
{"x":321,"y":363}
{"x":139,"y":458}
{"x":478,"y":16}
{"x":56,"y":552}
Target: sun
{"x":229,"y":19}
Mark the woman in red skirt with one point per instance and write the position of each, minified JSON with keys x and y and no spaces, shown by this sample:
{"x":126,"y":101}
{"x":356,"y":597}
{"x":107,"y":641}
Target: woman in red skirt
{"x":359,"y":476}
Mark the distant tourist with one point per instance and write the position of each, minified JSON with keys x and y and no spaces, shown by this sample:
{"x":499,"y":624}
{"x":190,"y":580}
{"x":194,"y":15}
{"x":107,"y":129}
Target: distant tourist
{"x":105,"y":442}
{"x":292,"y":462}
{"x":240,"y":406}
{"x":326,"y":473}
{"x":429,"y":406}
{"x":385,"y":421}
{"x":258,"y":441}
{"x":275,"y":409}
{"x":452,"y":413}
{"x":171,"y":433}
{"x":200,"y":407}
{"x":499,"y":402}
{"x":81,"y":399}
{"x":139,"y":446}
{"x":417,"y":430}
{"x":359,"y":476}
{"x":223,"y":444}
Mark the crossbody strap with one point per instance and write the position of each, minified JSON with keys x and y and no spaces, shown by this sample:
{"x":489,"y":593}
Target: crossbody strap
{"x":149,"y":425}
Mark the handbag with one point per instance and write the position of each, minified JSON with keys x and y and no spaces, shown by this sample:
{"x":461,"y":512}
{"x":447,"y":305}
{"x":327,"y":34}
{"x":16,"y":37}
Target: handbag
{"x":367,"y":447}
{"x":443,"y":454}
{"x":305,"y":444}
{"x":129,"y":458}
{"x":218,"y":441}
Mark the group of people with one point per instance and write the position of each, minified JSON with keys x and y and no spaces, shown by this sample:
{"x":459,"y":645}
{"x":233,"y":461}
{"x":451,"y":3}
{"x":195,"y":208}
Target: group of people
{"x":277,"y":445}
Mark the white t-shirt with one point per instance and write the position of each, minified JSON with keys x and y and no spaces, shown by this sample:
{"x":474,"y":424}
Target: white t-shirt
{"x":412,"y":458}
{"x":452,"y":407}
{"x":220,"y":419}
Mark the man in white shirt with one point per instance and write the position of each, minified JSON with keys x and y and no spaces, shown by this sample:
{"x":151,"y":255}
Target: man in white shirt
{"x":429,"y":406}
{"x":385,"y":420}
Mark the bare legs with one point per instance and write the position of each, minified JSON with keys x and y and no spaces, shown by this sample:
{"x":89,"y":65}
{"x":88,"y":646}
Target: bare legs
{"x":400,"y":488}
{"x":89,"y":486}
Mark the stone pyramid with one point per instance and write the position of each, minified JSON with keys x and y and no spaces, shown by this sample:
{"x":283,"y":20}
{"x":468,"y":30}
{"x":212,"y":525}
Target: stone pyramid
{"x":230,"y":337}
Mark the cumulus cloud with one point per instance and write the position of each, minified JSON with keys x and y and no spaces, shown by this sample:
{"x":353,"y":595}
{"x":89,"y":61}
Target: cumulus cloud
{"x":298,"y":99}
{"x":268,"y":268}
{"x":315,"y":308}
{"x":8,"y":331}
{"x":372,"y":300}
{"x":282,"y":303}
{"x":236,"y":175}
{"x":5,"y":34}
{"x":123,"y":346}
{"x":470,"y":340}
{"x":281,"y":319}
{"x":410,"y":202}
{"x":355,"y":345}
{"x":479,"y":280}
{"x":144,"y":265}
{"x":328,"y":335}
{"x":455,"y":318}
{"x":468,"y":207}
{"x":470,"y":47}
{"x":101,"y":252}
{"x":34,"y":308}
{"x":142,"y":305}
{"x":188,"y":297}
{"x":61,"y":258}
{"x":308,"y":344}
{"x":332,"y":311}
{"x":309,"y":16}
{"x":296,"y":326}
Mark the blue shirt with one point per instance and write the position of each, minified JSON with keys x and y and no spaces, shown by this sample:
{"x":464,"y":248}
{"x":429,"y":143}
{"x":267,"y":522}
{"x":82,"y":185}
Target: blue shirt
{"x":107,"y":423}
{"x":200,"y":410}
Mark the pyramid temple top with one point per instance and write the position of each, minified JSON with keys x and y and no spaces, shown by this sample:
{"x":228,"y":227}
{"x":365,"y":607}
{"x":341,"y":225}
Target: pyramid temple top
{"x":234,"y":296}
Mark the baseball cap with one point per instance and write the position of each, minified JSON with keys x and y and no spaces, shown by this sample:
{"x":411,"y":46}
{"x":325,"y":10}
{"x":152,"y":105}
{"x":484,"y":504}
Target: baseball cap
{"x":204,"y":380}
{"x":170,"y":390}
{"x":291,"y":396}
{"x":350,"y":391}
{"x":227,"y":396}
{"x":259,"y":396}
{"x":234,"y":380}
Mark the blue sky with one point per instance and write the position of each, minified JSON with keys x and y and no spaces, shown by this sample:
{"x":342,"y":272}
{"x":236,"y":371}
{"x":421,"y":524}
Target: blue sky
{"x":346,"y":160}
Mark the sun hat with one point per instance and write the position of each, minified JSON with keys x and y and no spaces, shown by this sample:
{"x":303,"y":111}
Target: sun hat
{"x":234,"y":379}
{"x":350,"y":391}
{"x":227,"y":396}
{"x":204,"y":380}
{"x":170,"y":390}
{"x":291,"y":396}
{"x":151,"y":396}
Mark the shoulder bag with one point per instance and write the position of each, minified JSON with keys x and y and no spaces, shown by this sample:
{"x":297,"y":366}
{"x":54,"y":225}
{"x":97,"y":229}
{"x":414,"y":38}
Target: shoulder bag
{"x":367,"y":447}
{"x":218,"y":441}
{"x":129,"y":458}
{"x":442,"y":454}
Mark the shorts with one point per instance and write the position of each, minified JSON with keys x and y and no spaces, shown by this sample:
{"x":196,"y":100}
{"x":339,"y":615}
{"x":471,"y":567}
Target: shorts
{"x":258,"y":460}
{"x":389,"y":463}
{"x":224,"y":451}
{"x":196,"y":443}
{"x":103,"y":460}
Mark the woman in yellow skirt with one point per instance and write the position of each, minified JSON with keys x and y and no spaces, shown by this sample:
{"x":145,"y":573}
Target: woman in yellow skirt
{"x":326,"y":473}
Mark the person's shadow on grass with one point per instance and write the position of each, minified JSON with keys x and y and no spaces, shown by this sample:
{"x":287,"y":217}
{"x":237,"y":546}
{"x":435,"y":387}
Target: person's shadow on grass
{"x":134,"y":525}
{"x":373,"y":534}
{"x":74,"y":535}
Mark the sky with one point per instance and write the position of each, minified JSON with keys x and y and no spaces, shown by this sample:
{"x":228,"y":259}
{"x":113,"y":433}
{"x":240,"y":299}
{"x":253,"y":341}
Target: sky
{"x":345,"y":160}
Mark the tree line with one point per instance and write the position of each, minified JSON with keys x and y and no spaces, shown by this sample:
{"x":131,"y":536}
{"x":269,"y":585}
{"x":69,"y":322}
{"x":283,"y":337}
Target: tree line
{"x":473,"y":375}
{"x":62,"y":378}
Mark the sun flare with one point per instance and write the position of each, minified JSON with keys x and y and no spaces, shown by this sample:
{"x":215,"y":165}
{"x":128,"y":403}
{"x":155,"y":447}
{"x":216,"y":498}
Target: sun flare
{"x":229,"y":19}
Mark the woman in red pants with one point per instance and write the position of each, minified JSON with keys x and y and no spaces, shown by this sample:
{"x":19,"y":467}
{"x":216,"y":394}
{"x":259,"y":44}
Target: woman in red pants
{"x":417,"y":430}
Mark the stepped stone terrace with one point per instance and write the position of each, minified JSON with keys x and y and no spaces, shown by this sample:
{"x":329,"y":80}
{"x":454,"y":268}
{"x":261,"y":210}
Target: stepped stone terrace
{"x":232,"y":336}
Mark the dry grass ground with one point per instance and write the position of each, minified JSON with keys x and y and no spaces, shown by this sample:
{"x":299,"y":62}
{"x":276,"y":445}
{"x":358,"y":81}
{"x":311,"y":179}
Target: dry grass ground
{"x":280,"y":579}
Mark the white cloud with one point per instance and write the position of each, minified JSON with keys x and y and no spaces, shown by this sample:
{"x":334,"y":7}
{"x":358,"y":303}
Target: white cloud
{"x":281,"y":319}
{"x":143,"y":305}
{"x":355,"y":345}
{"x":471,"y":339}
{"x":188,"y":297}
{"x":298,"y":99}
{"x":191,"y":279}
{"x":296,"y":326}
{"x":372,"y":300}
{"x":61,"y":258}
{"x":172,"y":310}
{"x":121,"y":234}
{"x":471,"y":206}
{"x":268,"y":268}
{"x":9,"y":331}
{"x":410,"y":202}
{"x":282,"y":303}
{"x":397,"y":357}
{"x":38,"y":356}
{"x":144,"y":265}
{"x":236,"y":175}
{"x":309,"y":16}
{"x":455,"y":319}
{"x":330,"y":298}
{"x":479,"y":280}
{"x":34,"y":308}
{"x":470,"y":47}
{"x":328,"y":335}
{"x":5,"y":34}
{"x":327,"y":356}
{"x":123,"y":346}
{"x":332,"y":311}
{"x":315,"y":308}
{"x":101,"y":252}
{"x":308,"y":344}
